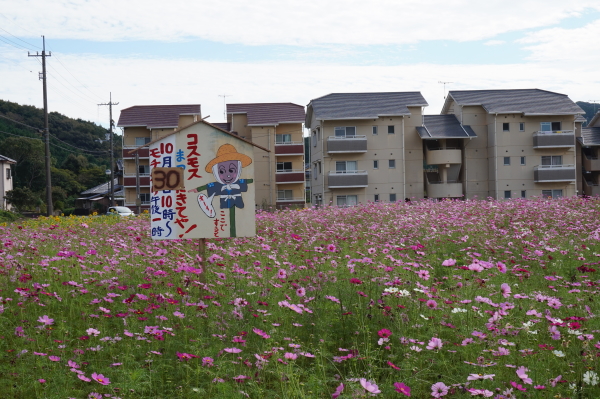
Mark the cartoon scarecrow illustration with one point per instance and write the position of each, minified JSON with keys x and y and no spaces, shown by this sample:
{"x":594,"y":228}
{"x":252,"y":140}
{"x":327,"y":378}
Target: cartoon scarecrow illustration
{"x":227,"y":169}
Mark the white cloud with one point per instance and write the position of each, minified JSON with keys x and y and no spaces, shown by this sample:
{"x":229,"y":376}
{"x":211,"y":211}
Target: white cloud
{"x":136,"y":81}
{"x":306,"y":23}
{"x":494,"y":42}
{"x":573,"y":46}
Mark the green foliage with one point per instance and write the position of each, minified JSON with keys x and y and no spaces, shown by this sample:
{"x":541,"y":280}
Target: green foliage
{"x":8,"y":216}
{"x":23,"y":198}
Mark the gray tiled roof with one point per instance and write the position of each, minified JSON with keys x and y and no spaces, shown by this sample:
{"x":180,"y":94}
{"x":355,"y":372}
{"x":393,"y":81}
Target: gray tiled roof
{"x":444,"y":127}
{"x":526,"y":101}
{"x":6,"y":159}
{"x":590,"y":136}
{"x":364,"y":105}
{"x":223,"y":125}
{"x":102,"y":189}
{"x":268,"y":114}
{"x":156,"y":116}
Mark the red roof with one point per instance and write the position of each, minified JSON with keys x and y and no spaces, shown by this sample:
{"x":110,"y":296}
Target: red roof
{"x":269,"y":114}
{"x":156,"y":116}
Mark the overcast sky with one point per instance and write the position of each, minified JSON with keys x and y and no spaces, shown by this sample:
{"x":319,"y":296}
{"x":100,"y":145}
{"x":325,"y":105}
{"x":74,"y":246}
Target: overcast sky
{"x":184,"y":52}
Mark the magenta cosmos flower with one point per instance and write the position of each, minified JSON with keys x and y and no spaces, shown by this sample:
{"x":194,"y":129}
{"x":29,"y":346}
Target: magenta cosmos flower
{"x":384,"y":333}
{"x":402,"y":388}
{"x":338,"y":391}
{"x":99,"y":378}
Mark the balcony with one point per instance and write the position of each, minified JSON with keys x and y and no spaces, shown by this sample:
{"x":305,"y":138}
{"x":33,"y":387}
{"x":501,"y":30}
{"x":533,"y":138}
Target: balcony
{"x":130,"y":181}
{"x":591,"y":163}
{"x":440,"y":156}
{"x":554,"y":139}
{"x":289,"y":176}
{"x":346,"y":144}
{"x":126,"y":174}
{"x":144,"y":152}
{"x":553,"y":173}
{"x":348,"y":179}
{"x":290,"y":148}
{"x":590,"y":188}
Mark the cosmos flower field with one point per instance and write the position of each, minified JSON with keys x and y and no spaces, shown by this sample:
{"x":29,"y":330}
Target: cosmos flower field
{"x":429,"y":299}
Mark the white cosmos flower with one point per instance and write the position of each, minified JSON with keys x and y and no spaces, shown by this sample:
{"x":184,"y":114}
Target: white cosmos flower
{"x":590,"y":378}
{"x":559,"y":353}
{"x":392,"y":290}
{"x":459,"y":310}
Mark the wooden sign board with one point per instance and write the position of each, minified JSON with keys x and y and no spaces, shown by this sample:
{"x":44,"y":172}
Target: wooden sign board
{"x":202,"y":185}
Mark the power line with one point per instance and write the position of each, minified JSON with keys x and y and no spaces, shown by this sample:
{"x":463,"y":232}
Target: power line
{"x":32,"y":45}
{"x":20,"y":123}
{"x":57,"y":59}
{"x":52,"y":144}
{"x":18,"y":135}
{"x":12,"y":43}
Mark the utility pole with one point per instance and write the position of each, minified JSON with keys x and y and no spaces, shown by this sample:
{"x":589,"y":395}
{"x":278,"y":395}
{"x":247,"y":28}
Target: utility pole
{"x":112,"y":151}
{"x":445,"y":83}
{"x":42,"y":77}
{"x":224,"y":105}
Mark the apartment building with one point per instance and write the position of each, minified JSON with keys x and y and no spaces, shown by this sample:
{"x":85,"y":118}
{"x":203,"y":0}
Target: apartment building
{"x":588,"y":146}
{"x":366,"y":147}
{"x":524,"y":144}
{"x":142,"y":124}
{"x":279,"y":174}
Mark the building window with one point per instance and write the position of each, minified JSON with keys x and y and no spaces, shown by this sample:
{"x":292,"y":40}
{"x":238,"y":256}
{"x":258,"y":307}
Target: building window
{"x":553,"y":160}
{"x":552,"y":193}
{"x":507,"y":194}
{"x":376,"y":198}
{"x":144,"y":169}
{"x":521,"y":126}
{"x":374,"y":129}
{"x":346,"y":200}
{"x":315,"y":171}
{"x":283,"y":138}
{"x":392,"y":197}
{"x":506,"y":161}
{"x":506,"y":127}
{"x":347,"y":131}
{"x":8,"y":173}
{"x":345,"y":166}
{"x":141,"y":141}
{"x":522,"y":160}
{"x":523,"y":194}
{"x":314,"y":138}
{"x":145,"y":198}
{"x":283,"y":195}
{"x":550,"y":126}
{"x":391,"y":130}
{"x":320,"y":170}
{"x":375,"y":164}
{"x":392,"y":163}
{"x":284,"y":166}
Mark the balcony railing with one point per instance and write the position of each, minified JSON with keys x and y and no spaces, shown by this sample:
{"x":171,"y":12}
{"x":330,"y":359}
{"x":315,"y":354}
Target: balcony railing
{"x":289,"y":148}
{"x":553,"y":173}
{"x":294,"y":199}
{"x":346,"y":144}
{"x":287,"y":176}
{"x":449,"y":189}
{"x":590,"y":188}
{"x":591,"y":164}
{"x":143,"y":152}
{"x":441,"y":156}
{"x":554,"y":139}
{"x":348,"y":179}
{"x":133,"y":174}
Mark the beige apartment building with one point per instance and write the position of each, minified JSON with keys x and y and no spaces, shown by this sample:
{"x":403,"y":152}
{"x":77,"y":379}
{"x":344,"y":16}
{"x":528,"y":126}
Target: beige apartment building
{"x":486,"y":143}
{"x":524,"y":144}
{"x":142,"y":124}
{"x":279,"y":174}
{"x":365,"y":147}
{"x":588,"y":146}
{"x":6,"y":182}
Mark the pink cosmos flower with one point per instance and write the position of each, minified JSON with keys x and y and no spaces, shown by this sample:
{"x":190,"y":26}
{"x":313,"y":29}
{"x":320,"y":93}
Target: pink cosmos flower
{"x":82,"y":377}
{"x":402,"y":388}
{"x":475,"y":377}
{"x":431,"y":304}
{"x":539,"y":387}
{"x":54,"y":358}
{"x":518,"y":386}
{"x":331,"y":248}
{"x":384,"y":333}
{"x":483,"y":392}
{"x":501,"y":267}
{"x":300,"y":292}
{"x":281,"y":273}
{"x":369,"y":386}
{"x":261,"y":333}
{"x":185,"y":356}
{"x":522,"y":374}
{"x":290,"y":356}
{"x":45,"y":320}
{"x":232,"y":350}
{"x":505,"y":290}
{"x":424,"y":274}
{"x":332,"y":298}
{"x":439,"y":389}
{"x":449,"y":262}
{"x":41,"y":380}
{"x":476,"y":267}
{"x":555,"y":381}
{"x":208,"y":361}
{"x":434,"y":343}
{"x":338,"y":391}
{"x":99,"y":378}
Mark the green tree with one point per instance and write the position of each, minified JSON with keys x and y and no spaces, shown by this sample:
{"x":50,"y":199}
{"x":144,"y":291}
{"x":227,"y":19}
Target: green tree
{"x":29,"y":169}
{"x":23,"y":198}
{"x":75,"y":163}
